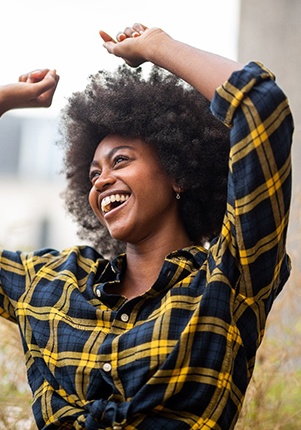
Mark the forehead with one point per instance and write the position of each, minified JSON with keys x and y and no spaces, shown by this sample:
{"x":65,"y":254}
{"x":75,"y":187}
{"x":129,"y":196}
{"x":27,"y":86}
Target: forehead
{"x":110,"y":144}
{"x":136,"y":148}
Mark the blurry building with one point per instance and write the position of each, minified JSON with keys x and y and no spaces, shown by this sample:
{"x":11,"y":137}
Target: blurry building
{"x":270,"y":32}
{"x":32,"y":213}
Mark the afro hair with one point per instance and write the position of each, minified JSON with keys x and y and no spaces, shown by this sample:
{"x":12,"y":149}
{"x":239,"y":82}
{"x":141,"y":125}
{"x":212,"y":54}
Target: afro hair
{"x":169,"y":115}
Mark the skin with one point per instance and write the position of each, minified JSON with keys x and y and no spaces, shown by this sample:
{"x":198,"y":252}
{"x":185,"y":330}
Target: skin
{"x":148,"y":220}
{"x":34,"y":89}
{"x":201,"y":69}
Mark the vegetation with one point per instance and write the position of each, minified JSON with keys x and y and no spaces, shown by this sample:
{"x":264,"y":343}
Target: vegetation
{"x":15,"y":397}
{"x":273,"y":397}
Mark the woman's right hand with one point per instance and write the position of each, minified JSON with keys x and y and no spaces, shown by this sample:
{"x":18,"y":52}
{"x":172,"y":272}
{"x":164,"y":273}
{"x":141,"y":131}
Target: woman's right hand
{"x":34,"y":89}
{"x":41,"y":93}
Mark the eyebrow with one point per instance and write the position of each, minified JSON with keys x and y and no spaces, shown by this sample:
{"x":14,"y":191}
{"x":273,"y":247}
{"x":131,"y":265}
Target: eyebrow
{"x":111,"y":154}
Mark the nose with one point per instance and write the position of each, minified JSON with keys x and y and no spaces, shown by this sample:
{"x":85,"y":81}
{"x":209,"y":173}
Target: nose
{"x":104,"y":180}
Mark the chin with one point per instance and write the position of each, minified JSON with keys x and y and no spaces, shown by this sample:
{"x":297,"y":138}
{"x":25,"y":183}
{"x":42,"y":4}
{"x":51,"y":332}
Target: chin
{"x":121,"y":237}
{"x":117,"y":235}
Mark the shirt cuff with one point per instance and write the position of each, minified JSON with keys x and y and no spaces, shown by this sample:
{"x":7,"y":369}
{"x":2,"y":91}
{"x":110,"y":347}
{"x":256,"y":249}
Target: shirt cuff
{"x":229,"y":96}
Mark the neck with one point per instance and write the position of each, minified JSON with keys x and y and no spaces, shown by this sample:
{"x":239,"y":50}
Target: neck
{"x":145,"y":260}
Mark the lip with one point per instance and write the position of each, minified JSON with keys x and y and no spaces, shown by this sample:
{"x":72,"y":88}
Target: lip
{"x":113,"y":211}
{"x":111,"y":193}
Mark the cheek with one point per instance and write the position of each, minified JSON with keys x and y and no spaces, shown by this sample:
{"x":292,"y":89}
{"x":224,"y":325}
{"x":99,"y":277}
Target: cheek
{"x":93,"y":199}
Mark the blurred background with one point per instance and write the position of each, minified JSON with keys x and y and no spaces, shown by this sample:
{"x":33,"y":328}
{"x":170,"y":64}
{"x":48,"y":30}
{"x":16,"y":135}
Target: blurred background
{"x":63,"y":35}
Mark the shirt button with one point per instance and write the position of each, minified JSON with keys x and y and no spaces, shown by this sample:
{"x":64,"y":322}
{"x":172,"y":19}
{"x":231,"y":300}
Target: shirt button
{"x":98,"y":293}
{"x":124,"y":317}
{"x":107,"y":367}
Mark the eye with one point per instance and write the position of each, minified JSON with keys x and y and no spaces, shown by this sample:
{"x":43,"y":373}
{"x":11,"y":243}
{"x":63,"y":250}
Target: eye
{"x":119,"y":159}
{"x":93,"y":175}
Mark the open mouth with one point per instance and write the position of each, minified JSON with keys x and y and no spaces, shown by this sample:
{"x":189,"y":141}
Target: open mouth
{"x":113,"y":201}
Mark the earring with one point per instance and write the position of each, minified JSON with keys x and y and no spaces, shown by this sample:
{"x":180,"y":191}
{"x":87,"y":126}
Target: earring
{"x":178,"y":196}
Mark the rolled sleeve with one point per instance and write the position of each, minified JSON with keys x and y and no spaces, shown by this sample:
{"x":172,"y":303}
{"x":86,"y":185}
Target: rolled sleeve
{"x":259,"y":183}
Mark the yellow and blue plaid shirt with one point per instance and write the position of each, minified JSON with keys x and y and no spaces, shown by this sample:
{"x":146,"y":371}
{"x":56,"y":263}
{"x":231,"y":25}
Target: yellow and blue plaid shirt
{"x":181,"y":355}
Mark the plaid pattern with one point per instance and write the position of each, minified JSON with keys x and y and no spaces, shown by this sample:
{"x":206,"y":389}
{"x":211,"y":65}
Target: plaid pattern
{"x":181,"y":355}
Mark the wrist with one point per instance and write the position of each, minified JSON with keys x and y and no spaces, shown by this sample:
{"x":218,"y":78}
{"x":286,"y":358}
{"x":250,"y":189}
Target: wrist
{"x":4,"y":99}
{"x":156,"y":46}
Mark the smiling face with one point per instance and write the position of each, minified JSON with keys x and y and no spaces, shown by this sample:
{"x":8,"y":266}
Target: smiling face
{"x":131,"y":195}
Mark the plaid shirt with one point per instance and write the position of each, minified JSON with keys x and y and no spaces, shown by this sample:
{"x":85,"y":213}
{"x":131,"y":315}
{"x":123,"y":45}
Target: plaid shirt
{"x":181,"y":355}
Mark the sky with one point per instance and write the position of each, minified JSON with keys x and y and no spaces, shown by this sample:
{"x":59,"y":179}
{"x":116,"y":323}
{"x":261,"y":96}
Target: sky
{"x":63,"y":34}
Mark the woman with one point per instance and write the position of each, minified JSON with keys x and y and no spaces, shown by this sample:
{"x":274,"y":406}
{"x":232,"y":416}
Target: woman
{"x":164,"y":335}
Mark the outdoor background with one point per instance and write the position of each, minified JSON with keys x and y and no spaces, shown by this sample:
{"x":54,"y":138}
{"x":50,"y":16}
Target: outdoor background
{"x":63,"y":34}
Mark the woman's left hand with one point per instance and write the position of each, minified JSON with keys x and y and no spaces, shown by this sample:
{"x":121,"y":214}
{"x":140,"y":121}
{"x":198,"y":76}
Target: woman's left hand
{"x":134,"y":44}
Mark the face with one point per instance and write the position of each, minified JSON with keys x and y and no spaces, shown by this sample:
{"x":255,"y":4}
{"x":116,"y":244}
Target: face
{"x":131,"y":195}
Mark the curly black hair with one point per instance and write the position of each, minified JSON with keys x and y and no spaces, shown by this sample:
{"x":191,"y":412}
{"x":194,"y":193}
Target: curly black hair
{"x":161,"y":109}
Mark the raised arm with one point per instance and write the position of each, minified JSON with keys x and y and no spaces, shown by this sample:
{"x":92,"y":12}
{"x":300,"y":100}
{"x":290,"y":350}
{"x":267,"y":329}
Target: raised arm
{"x":249,"y":101}
{"x":35,"y":89}
{"x":203,"y":70}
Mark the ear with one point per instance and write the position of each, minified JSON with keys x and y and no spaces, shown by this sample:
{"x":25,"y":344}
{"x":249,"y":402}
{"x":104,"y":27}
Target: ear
{"x":177,"y":188}
{"x":177,"y":191}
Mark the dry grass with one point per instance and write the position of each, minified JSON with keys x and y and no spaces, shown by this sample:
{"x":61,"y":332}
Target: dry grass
{"x":15,"y":396}
{"x":273,"y":397}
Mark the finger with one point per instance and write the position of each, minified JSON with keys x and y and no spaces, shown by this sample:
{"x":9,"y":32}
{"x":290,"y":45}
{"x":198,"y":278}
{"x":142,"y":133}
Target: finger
{"x":46,"y":89}
{"x":48,"y":84}
{"x":37,"y":75}
{"x":34,"y":76}
{"x":106,"y":37}
{"x":26,"y":76}
{"x":54,"y":76}
{"x":140,"y":28}
{"x":120,"y":37}
{"x":23,"y":78}
{"x":128,"y":31}
{"x":46,"y":98}
{"x":39,"y":72}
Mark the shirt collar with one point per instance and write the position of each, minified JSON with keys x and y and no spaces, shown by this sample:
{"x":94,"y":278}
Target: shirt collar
{"x":177,"y":265}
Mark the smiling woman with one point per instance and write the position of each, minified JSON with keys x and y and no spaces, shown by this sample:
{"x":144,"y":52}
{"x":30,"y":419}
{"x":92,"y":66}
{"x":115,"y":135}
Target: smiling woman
{"x":124,"y":176}
{"x":165,"y":333}
{"x":176,"y":116}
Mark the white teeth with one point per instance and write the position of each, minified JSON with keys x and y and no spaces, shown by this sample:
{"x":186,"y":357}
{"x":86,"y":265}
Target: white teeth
{"x":106,"y":202}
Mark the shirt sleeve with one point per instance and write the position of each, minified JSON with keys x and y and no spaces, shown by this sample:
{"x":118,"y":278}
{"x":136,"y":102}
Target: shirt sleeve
{"x":17,"y":269}
{"x":252,"y":241}
{"x":12,"y":282}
